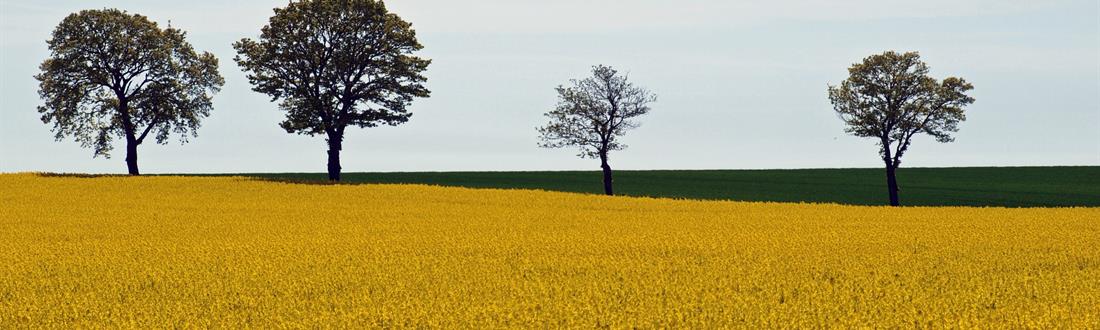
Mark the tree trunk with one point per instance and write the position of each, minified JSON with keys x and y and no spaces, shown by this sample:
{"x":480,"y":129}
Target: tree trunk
{"x":892,"y":184}
{"x":131,"y":156}
{"x":334,"y":146}
{"x":128,"y":130}
{"x":606,"y":175}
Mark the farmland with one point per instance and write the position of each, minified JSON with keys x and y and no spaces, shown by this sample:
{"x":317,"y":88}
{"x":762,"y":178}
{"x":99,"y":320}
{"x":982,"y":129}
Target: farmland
{"x":960,"y":186}
{"x":237,"y":251}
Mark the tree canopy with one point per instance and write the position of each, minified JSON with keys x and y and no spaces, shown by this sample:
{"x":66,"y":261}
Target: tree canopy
{"x":891,"y":97}
{"x":594,"y":112}
{"x":115,"y":74}
{"x":333,"y":64}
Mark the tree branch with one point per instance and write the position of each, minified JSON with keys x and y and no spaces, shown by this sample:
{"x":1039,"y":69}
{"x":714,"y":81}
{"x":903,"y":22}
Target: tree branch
{"x":148,"y":128}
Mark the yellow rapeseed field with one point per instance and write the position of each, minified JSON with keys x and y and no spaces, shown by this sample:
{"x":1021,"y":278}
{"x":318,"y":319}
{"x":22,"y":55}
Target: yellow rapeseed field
{"x":233,"y":252}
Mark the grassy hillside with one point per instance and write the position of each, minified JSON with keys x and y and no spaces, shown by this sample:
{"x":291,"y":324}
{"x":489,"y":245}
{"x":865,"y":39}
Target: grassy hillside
{"x":971,"y":186}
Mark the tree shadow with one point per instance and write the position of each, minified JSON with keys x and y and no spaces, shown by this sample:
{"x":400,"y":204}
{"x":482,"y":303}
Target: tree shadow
{"x":305,"y":181}
{"x":301,"y":181}
{"x":78,"y":175}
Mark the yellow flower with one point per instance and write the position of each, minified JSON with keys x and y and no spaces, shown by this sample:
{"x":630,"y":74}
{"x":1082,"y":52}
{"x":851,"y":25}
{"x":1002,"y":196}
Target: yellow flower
{"x":233,"y":252}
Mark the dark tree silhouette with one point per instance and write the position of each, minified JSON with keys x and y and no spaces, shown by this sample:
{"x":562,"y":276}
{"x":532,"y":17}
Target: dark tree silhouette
{"x":334,"y":64}
{"x":891,"y":98}
{"x":591,"y":115}
{"x":111,"y":73}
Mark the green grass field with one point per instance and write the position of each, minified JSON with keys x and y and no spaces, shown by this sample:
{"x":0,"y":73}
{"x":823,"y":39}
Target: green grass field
{"x":967,"y":186}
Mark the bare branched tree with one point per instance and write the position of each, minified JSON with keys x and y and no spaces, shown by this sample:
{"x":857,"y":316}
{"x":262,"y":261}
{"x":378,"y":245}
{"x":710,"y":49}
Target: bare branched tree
{"x":593,"y":113}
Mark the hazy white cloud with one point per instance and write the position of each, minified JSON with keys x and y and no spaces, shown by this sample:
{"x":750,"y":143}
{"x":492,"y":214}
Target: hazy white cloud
{"x":741,"y":83}
{"x":536,"y":16}
{"x":527,"y":16}
{"x":22,"y":20}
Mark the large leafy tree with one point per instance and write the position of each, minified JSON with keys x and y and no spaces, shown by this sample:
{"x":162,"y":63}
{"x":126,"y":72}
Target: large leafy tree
{"x":593,"y":113}
{"x":334,"y":64}
{"x":890,"y":97}
{"x":114,"y":74}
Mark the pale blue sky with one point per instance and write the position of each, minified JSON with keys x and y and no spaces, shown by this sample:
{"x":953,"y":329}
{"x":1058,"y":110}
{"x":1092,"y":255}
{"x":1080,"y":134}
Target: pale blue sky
{"x":741,"y":84}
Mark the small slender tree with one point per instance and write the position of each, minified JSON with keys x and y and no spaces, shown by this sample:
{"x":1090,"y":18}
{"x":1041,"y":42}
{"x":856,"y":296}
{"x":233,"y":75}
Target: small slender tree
{"x":891,"y":98}
{"x":111,"y":73}
{"x":593,"y":113}
{"x":334,"y":64}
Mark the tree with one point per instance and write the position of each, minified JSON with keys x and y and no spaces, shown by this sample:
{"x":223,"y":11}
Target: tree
{"x":593,"y":113}
{"x":111,"y":73}
{"x":891,"y":98}
{"x":334,"y":64}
